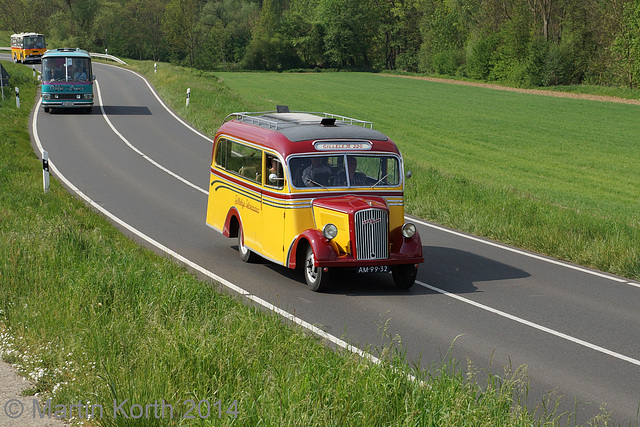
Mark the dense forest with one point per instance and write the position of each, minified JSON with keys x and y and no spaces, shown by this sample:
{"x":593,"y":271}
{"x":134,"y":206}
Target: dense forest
{"x":520,"y":42}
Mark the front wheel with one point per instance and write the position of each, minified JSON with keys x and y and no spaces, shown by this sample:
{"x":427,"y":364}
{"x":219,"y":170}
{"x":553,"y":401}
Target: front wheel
{"x":404,"y":276}
{"x":315,"y":277}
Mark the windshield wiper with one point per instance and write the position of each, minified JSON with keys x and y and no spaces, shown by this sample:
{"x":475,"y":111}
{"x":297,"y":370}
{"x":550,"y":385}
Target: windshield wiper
{"x":380,"y":180}
{"x":317,"y":183}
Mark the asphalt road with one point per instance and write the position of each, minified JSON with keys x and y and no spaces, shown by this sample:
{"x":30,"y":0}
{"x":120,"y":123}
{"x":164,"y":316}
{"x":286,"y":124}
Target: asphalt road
{"x":576,"y":330}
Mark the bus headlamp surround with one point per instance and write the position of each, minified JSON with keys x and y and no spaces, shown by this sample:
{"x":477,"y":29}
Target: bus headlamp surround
{"x":330,"y":231}
{"x":408,"y":230}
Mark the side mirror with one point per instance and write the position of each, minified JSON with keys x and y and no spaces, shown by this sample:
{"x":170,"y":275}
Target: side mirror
{"x":409,"y":174}
{"x":274,"y":178}
{"x":39,"y":78}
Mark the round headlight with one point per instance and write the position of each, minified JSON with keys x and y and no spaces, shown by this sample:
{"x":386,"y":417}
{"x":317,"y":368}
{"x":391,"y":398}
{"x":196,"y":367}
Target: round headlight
{"x":408,"y":230}
{"x":330,"y":231}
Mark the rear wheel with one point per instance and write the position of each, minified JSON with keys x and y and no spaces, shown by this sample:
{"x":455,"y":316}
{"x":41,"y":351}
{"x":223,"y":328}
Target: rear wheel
{"x":404,"y":276}
{"x":245,"y":253}
{"x":315,"y":277}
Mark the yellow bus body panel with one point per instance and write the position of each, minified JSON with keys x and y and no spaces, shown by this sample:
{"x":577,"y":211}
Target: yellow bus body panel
{"x":323,"y":216}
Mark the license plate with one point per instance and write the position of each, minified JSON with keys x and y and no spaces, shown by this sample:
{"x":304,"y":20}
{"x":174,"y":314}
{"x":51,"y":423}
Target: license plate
{"x":67,"y":104}
{"x":374,"y":269}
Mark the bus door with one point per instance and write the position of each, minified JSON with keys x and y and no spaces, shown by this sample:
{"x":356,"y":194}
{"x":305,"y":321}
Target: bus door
{"x":274,"y":209}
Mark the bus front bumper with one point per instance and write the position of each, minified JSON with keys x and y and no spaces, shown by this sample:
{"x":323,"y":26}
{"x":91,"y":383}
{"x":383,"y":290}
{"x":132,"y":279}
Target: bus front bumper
{"x":347,"y":261}
{"x":67,"y":104}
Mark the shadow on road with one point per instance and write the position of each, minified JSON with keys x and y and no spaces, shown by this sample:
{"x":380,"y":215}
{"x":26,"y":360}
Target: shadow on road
{"x":452,"y":270}
{"x":117,"y":110}
{"x":458,"y":271}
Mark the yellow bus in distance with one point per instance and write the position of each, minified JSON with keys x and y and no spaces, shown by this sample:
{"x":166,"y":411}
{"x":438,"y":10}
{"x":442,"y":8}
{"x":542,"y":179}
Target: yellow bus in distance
{"x":27,"y":47}
{"x":315,"y":191}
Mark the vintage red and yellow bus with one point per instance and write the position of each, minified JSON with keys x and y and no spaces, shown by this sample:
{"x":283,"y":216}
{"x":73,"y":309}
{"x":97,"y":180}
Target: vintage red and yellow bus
{"x":27,"y":47}
{"x":315,"y":191}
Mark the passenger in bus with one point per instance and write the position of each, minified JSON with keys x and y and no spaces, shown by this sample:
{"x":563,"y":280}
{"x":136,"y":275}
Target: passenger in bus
{"x":274,"y":167}
{"x":53,"y":74}
{"x":315,"y":173}
{"x":356,"y":178}
{"x":50,"y":74}
{"x":79,"y":74}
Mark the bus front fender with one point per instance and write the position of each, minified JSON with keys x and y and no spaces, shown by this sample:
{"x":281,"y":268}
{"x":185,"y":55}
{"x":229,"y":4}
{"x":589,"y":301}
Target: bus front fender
{"x":322,"y":249}
{"x":409,"y":247}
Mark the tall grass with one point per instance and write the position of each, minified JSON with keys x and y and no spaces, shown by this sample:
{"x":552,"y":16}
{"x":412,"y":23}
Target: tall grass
{"x":98,"y":322}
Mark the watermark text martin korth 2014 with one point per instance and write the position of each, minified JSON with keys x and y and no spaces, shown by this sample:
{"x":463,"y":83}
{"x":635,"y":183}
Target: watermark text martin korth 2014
{"x":125,"y":409}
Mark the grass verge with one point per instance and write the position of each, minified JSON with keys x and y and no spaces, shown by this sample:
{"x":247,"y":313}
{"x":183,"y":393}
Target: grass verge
{"x":106,"y":328}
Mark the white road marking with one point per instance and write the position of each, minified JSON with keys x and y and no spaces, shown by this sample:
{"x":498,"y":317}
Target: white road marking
{"x":144,"y":156}
{"x":532,"y":325}
{"x":175,"y":116}
{"x":525,"y":253}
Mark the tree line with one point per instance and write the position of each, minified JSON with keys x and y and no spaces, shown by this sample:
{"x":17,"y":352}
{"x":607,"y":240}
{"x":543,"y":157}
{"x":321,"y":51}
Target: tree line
{"x":521,"y":42}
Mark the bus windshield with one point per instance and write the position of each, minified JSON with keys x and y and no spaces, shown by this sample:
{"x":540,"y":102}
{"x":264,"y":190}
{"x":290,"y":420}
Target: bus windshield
{"x":330,"y":171}
{"x":34,"y":42}
{"x":65,"y":69}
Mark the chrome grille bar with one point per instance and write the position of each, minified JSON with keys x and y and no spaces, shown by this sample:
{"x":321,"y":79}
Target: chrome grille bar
{"x":372,"y":234}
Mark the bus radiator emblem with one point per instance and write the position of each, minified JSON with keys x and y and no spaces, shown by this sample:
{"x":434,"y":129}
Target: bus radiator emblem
{"x":371,"y":221}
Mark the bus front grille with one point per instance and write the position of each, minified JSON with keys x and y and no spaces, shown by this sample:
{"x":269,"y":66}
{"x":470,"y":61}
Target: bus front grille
{"x":66,"y":96}
{"x":372,"y":234}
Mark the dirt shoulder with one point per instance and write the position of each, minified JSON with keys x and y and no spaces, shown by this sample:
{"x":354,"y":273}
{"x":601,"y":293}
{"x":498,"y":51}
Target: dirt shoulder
{"x":16,"y":409}
{"x":529,"y":91}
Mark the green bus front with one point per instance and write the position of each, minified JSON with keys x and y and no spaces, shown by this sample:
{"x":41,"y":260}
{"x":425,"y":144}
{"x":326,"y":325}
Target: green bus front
{"x":67,"y":80}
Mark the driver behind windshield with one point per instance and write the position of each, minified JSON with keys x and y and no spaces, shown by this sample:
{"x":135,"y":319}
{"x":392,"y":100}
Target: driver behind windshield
{"x":356,"y":178}
{"x":316,"y":167}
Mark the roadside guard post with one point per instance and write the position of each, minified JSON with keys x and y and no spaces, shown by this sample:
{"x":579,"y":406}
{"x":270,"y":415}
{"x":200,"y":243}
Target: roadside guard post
{"x":45,"y":171}
{"x":17,"y":98}
{"x":188,"y":95}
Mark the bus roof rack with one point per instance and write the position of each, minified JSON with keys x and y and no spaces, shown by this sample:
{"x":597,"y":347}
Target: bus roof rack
{"x":283,"y":118}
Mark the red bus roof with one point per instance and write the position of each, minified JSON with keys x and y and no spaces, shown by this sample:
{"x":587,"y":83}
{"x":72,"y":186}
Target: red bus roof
{"x":296,"y":132}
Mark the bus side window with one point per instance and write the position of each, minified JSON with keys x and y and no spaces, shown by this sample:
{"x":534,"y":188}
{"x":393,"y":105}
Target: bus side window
{"x":221,"y":153}
{"x":245,"y":161}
